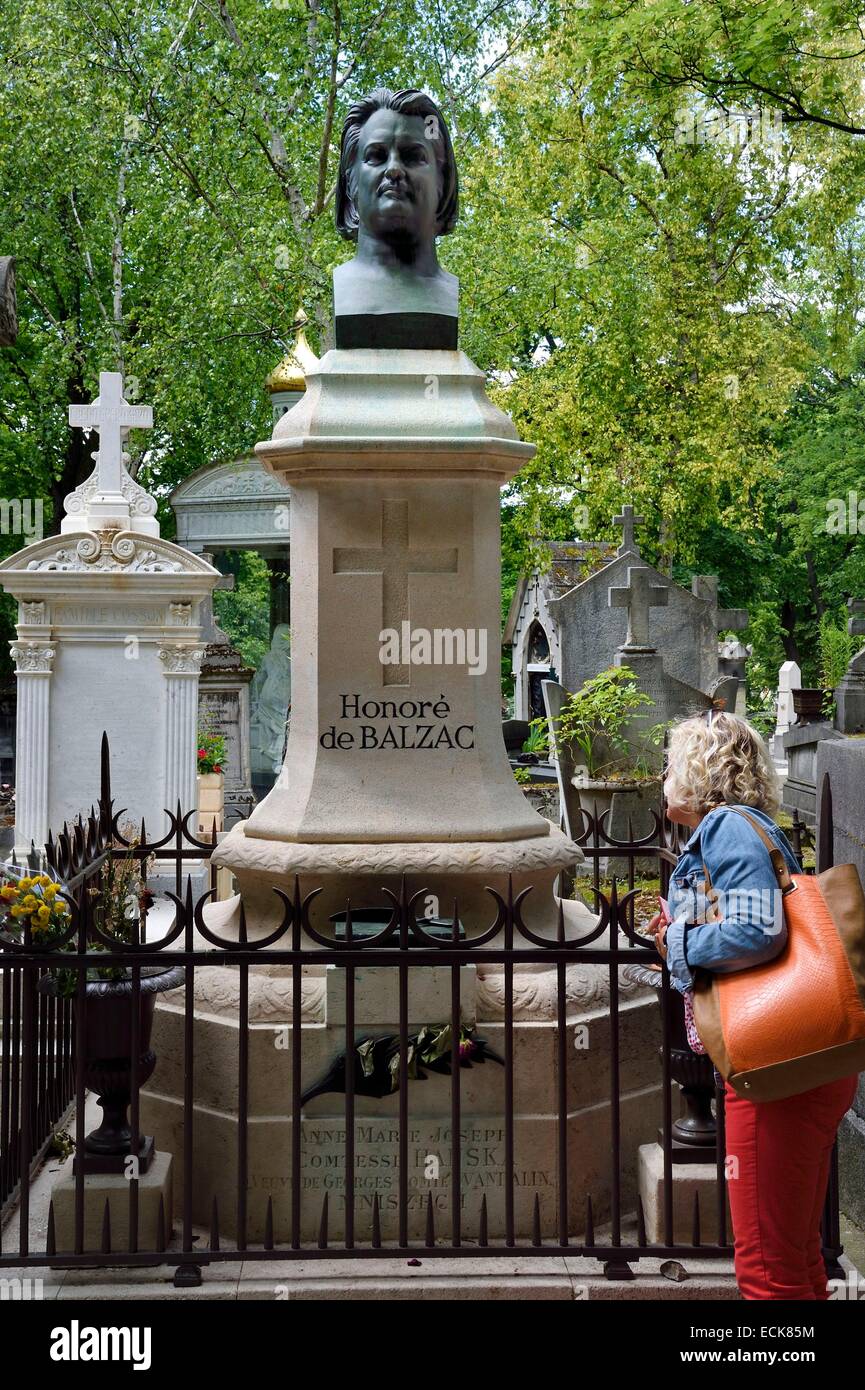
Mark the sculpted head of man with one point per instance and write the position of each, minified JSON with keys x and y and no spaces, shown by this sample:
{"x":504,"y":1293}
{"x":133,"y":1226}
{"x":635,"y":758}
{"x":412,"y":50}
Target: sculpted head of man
{"x":397,"y":181}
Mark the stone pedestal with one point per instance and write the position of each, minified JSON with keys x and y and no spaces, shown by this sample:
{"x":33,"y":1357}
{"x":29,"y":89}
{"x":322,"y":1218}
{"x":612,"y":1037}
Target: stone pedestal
{"x":396,"y":768}
{"x":395,"y":762}
{"x":155,"y":1208}
{"x":691,"y":1181}
{"x":216,"y":1128}
{"x":395,"y":460}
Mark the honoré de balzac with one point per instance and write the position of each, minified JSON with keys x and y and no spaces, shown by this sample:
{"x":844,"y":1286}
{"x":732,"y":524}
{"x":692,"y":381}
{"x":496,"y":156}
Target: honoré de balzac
{"x":410,"y":724}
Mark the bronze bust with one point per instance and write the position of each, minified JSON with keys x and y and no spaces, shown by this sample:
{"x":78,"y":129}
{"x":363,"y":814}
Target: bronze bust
{"x":396,"y":192}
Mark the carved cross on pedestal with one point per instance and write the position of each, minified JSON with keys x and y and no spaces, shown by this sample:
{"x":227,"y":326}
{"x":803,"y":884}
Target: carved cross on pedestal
{"x":639,"y":597}
{"x":628,"y":522}
{"x":394,"y":561}
{"x":113,"y":417}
